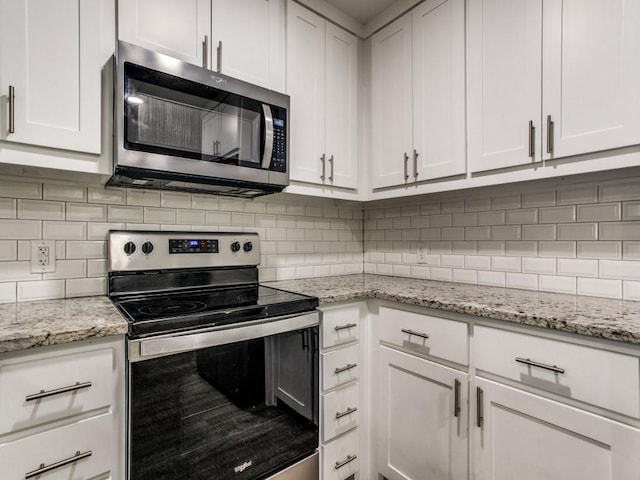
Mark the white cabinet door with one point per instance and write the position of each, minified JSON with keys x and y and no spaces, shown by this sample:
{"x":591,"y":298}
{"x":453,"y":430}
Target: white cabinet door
{"x":504,"y":83}
{"x":341,"y":107}
{"x":439,"y":89}
{"x":174,"y":27}
{"x":52,"y":55}
{"x":591,"y":75}
{"x":391,"y":104}
{"x":252,"y":33}
{"x":528,"y":437}
{"x":420,"y":436}
{"x":306,"y":87}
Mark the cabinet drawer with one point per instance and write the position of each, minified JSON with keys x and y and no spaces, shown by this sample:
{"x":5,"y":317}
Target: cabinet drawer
{"x":605,"y":379}
{"x":339,"y":367}
{"x":66,"y":385}
{"x":92,"y":437}
{"x":341,"y":411}
{"x":437,"y":337}
{"x":340,"y":458}
{"x":340,"y":326}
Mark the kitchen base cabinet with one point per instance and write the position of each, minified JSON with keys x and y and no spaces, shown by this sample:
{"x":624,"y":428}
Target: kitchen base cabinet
{"x":524,"y":436}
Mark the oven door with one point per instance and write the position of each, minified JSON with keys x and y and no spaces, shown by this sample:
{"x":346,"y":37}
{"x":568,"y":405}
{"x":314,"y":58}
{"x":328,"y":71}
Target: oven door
{"x":237,"y":403}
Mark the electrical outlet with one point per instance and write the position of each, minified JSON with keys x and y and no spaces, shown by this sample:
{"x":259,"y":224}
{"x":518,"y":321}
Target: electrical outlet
{"x":422,"y":254}
{"x":43,"y":256}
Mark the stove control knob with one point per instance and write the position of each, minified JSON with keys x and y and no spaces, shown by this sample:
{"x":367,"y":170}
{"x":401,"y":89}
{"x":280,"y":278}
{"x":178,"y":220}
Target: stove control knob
{"x":147,"y":248}
{"x":247,"y":247}
{"x":235,"y":247}
{"x":129,"y":248}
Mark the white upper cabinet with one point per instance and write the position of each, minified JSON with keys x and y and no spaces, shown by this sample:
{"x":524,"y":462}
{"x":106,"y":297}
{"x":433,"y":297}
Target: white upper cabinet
{"x":322,"y":81}
{"x":591,"y":75}
{"x":504,"y":83}
{"x":52,"y":54}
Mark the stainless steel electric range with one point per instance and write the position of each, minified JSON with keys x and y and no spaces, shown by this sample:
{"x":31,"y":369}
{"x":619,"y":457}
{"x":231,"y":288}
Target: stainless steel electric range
{"x":223,"y":372}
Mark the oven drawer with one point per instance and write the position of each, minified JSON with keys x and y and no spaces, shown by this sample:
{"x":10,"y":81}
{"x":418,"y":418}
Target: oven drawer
{"x":47,"y":389}
{"x":90,"y":440}
{"x":340,"y":367}
{"x":606,"y":379}
{"x":340,"y":326}
{"x":341,"y":409}
{"x":425,"y":334}
{"x":341,"y":458}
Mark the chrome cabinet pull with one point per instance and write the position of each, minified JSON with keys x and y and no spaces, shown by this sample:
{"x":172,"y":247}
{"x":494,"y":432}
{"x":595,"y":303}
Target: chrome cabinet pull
{"x":347,"y":367}
{"x":528,"y":361}
{"x":57,"y":391}
{"x":479,"y":412}
{"x":406,"y":166}
{"x":331,"y":163}
{"x":12,"y":109}
{"x":219,"y":56}
{"x":349,"y":459}
{"x":415,"y":164}
{"x":345,"y":327}
{"x":47,"y":468}
{"x":348,"y":411}
{"x":550,"y":132}
{"x":532,"y":139}
{"x":205,"y":52}
{"x":456,"y":398}
{"x":414,"y":333}
{"x":324,"y":167}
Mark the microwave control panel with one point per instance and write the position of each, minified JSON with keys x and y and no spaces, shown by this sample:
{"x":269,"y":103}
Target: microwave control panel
{"x":279,"y":156}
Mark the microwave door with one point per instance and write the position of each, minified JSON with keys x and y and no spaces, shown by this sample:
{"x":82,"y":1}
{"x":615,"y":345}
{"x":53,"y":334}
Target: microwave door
{"x":268,"y":137}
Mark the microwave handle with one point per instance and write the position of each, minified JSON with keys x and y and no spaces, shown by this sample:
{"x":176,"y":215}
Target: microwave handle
{"x":268,"y":136}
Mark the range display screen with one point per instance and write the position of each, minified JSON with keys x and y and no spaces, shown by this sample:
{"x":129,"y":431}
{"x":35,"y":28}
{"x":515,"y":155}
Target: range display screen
{"x":192,"y":246}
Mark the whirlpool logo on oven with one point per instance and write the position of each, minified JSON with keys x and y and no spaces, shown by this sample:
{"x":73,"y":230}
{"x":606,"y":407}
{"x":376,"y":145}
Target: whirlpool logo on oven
{"x":243,"y":467}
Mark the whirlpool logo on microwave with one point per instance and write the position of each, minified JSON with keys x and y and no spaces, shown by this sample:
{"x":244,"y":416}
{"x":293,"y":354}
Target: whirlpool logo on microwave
{"x":243,"y":467}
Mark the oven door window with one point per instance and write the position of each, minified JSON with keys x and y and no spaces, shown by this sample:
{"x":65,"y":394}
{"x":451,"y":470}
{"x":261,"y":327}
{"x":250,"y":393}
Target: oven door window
{"x":177,"y":117}
{"x":243,"y":410}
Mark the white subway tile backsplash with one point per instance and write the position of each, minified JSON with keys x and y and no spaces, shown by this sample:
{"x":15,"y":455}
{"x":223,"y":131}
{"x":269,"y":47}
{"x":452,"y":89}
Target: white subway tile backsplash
{"x":143,"y":198}
{"x":596,"y":287}
{"x":86,"y":287}
{"x":624,"y":270}
{"x":231,"y":204}
{"x":219,"y":218}
{"x":68,"y":269}
{"x":522,"y":216}
{"x":465,"y":219}
{"x":616,"y":190}
{"x":431,"y":234}
{"x":539,"y":232}
{"x":420,"y":271}
{"x":100,"y":231}
{"x":577,"y":268}
{"x":465,"y":276}
{"x":477,"y":204}
{"x":477,"y":262}
{"x":441,"y":247}
{"x":522,"y":249}
{"x":557,"y":284}
{"x":505,"y":201}
{"x":441,"y":221}
{"x":430,"y":208}
{"x":40,"y":290}
{"x":545,"y":266}
{"x":620,"y":231}
{"x":496,"y":217}
{"x":577,"y":195}
{"x":204,"y":202}
{"x":464,"y":247}
{"x":442,"y":274}
{"x":12,"y":189}
{"x":116,"y":213}
{"x":20,"y":229}
{"x":601,"y":212}
{"x":244,"y":220}
{"x":65,"y":193}
{"x":454,"y":233}
{"x":189,"y":217}
{"x":24,"y":250}
{"x":523,"y":281}
{"x":600,"y":250}
{"x":557,"y":249}
{"x":86,"y":212}
{"x":631,"y":210}
{"x":256,"y":206}
{"x":8,"y":292}
{"x":401,"y":222}
{"x":7,"y":208}
{"x":88,"y":249}
{"x":40,"y":210}
{"x":564,"y":214}
{"x":175,"y":199}
{"x":578,"y":231}
{"x":112,"y":196}
{"x":506,"y":264}
{"x":396,"y":270}
{"x":631,"y":250}
{"x":8,"y":250}
{"x":512,"y":232}
{"x":452,"y":206}
{"x":491,"y":248}
{"x":17,"y":271}
{"x":159,"y":215}
{"x":539,"y":199}
{"x":452,"y":261}
{"x":64,"y":230}
{"x":97,"y":267}
{"x":630,"y":290}
{"x":495,"y":279}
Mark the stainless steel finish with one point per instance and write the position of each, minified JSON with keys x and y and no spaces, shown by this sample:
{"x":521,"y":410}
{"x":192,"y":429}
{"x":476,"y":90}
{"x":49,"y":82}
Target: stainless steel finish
{"x":348,"y":411}
{"x":324,"y":167}
{"x":56,"y":391}
{"x":532,"y":139}
{"x":268,"y":136}
{"x":347,"y":367}
{"x":219,"y":56}
{"x":349,"y":459}
{"x":479,"y":413}
{"x":160,"y":258}
{"x":47,"y":468}
{"x":456,"y":398}
{"x":527,"y":361}
{"x":406,"y":166}
{"x":550,"y":132}
{"x":415,"y":164}
{"x":331,"y":163}
{"x":11,"y":100}
{"x":414,"y":333}
{"x":309,"y":469}
{"x":163,"y":345}
{"x":205,"y":52}
{"x":345,"y":327}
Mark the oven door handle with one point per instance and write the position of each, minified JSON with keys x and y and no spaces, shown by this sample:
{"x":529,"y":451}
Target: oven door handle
{"x":160,"y":346}
{"x":268,"y":136}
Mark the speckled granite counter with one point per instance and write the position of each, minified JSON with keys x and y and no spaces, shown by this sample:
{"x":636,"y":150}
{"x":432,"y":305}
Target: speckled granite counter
{"x":598,"y":317}
{"x":35,"y":324}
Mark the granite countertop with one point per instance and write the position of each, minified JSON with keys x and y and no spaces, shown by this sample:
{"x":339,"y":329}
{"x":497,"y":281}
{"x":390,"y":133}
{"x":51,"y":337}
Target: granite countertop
{"x":35,"y":324}
{"x":617,"y":320}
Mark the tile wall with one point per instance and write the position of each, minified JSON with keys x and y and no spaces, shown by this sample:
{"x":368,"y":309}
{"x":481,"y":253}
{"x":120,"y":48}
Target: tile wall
{"x":300,"y":237}
{"x":578,"y":239}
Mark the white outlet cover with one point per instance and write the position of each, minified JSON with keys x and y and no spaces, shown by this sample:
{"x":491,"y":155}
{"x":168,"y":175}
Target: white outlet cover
{"x":35,"y":265}
{"x":422,"y":254}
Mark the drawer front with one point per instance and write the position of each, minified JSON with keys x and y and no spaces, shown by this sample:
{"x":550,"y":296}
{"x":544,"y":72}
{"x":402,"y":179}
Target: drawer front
{"x":425,"y":334}
{"x":93,"y":438}
{"x":598,"y":377}
{"x":338,"y":462}
{"x":340,"y":326}
{"x":340,"y":367}
{"x":72,"y":384}
{"x":341,"y":411}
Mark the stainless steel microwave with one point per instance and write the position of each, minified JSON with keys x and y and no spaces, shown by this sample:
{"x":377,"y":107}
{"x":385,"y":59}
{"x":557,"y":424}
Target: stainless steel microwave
{"x":182,"y":127}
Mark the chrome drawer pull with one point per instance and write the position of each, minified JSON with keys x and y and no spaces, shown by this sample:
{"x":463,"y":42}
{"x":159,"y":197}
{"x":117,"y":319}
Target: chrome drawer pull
{"x":349,"y":459}
{"x":57,"y":391}
{"x":348,"y":366}
{"x":345,"y":327}
{"x":348,"y":411}
{"x":47,"y":468}
{"x":479,"y":412}
{"x":531,"y":363}
{"x":415,"y":334}
{"x":456,"y":398}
